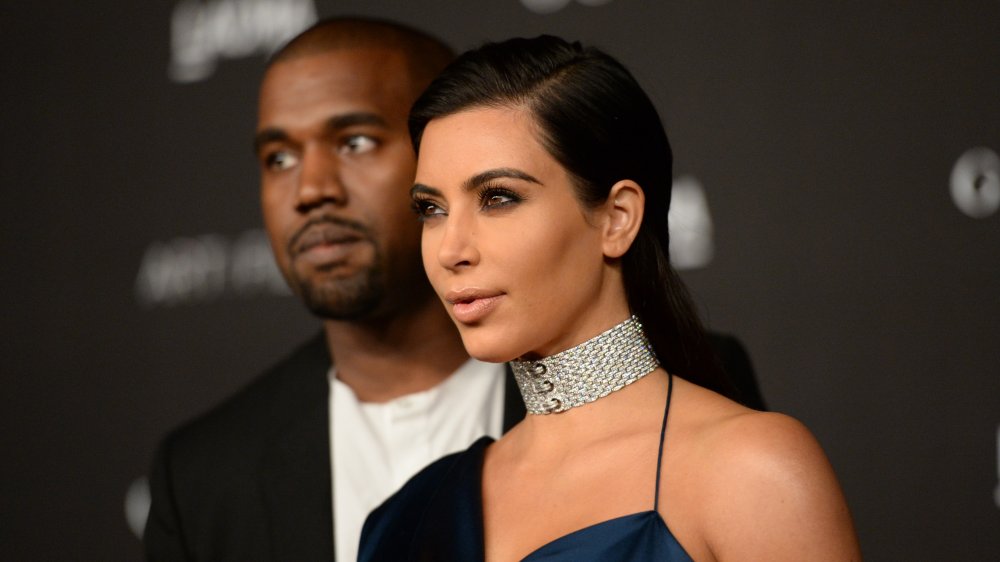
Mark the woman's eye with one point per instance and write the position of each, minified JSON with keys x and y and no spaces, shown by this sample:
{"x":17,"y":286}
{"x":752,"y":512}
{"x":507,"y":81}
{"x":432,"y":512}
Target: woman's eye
{"x":280,"y":160}
{"x":426,"y":209}
{"x":494,"y":200}
{"x":358,"y":144}
{"x":498,"y":198}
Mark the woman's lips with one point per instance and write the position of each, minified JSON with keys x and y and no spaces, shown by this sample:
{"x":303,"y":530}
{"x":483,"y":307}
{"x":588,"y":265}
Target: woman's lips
{"x":469,"y":307}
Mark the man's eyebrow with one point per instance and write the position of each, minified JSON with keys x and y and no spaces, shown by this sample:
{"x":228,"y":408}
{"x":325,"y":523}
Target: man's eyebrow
{"x":497,"y":173}
{"x":270,"y":134}
{"x":354,"y":119}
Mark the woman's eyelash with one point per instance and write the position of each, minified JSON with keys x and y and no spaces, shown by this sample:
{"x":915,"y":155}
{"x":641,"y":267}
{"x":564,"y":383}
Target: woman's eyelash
{"x":506,"y":196}
{"x":425,"y":208}
{"x":491,"y":198}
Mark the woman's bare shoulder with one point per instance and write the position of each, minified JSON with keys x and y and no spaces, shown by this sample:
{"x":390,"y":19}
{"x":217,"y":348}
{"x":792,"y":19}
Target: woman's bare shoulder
{"x":767,"y":489}
{"x":721,"y":426}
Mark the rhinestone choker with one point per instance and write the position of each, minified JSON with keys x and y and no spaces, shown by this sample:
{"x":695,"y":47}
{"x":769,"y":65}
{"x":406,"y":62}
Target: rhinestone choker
{"x":591,"y":370}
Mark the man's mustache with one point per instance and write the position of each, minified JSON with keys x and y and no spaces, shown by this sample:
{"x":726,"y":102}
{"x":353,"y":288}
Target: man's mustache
{"x":326,"y":228}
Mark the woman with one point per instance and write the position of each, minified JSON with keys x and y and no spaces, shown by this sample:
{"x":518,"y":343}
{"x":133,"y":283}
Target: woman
{"x":543,"y":183}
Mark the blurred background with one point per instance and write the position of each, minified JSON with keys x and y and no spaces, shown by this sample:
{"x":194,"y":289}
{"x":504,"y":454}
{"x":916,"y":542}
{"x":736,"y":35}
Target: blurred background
{"x":840,"y":186}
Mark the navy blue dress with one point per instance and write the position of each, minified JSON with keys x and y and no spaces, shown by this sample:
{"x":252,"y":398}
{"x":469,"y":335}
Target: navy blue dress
{"x":438,"y":515}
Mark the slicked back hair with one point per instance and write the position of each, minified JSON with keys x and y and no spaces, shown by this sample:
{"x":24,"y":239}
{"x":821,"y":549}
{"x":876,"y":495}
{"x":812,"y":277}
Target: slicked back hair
{"x":598,"y":123}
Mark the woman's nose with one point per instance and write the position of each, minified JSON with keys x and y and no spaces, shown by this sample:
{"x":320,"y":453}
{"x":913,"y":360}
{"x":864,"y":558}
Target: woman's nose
{"x":457,"y":248}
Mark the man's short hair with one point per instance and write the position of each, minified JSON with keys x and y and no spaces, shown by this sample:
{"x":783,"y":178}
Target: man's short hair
{"x":426,"y":55}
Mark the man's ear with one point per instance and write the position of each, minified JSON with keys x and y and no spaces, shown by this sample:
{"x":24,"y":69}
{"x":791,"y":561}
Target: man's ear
{"x":623,"y":212}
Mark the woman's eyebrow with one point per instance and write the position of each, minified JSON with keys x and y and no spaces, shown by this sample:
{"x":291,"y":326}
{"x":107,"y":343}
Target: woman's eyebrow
{"x":478,"y":180}
{"x":425,"y":189}
{"x":496,"y":173}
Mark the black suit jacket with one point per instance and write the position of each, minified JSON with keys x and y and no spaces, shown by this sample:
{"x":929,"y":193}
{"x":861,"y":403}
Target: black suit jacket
{"x":250,"y":480}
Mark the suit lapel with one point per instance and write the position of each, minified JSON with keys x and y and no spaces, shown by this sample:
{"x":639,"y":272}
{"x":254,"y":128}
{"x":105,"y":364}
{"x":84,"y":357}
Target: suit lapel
{"x":295,"y":470}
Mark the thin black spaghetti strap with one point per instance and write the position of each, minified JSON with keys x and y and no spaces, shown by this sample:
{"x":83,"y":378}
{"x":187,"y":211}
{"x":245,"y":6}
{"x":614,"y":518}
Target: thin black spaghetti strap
{"x":663,"y":434}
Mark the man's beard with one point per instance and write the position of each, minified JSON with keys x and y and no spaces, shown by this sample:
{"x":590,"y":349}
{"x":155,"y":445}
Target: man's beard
{"x":349,"y":298}
{"x":341,"y":298}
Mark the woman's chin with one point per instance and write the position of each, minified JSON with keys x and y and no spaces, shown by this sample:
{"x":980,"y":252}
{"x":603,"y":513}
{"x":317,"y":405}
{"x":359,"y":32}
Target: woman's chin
{"x":492,"y":357}
{"x":487,"y":351}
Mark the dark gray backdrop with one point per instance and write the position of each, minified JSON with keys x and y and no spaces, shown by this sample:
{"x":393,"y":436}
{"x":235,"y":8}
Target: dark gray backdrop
{"x":134,"y":296}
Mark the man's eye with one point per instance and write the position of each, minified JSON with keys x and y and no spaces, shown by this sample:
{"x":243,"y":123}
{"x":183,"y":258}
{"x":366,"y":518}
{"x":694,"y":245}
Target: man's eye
{"x":280,"y":160}
{"x":358,"y":144}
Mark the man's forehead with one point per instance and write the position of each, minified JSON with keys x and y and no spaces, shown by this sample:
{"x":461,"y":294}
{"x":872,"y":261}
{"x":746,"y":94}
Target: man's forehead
{"x":372,"y":72}
{"x":342,"y":64}
{"x":363,"y":79}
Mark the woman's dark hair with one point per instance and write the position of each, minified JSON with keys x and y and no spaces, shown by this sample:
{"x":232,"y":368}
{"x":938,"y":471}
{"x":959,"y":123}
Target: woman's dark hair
{"x":598,"y":123}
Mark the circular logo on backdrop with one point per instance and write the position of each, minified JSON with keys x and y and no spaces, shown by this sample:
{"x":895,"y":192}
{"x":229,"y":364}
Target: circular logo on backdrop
{"x":552,"y":6}
{"x":975,"y":182}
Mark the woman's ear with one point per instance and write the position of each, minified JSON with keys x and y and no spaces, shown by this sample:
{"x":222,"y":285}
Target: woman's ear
{"x":623,"y":215}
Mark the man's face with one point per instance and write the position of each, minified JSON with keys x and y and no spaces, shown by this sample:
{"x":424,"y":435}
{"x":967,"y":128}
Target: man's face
{"x":336,"y":167}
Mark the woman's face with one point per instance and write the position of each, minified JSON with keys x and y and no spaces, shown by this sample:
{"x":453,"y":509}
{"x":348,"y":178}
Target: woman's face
{"x":513,"y":255}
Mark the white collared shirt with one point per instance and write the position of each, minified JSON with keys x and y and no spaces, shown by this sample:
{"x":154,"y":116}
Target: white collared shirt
{"x":376,"y":448}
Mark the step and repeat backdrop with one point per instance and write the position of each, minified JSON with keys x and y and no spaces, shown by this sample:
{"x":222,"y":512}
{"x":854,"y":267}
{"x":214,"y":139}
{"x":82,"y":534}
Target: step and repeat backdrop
{"x":837,"y":188}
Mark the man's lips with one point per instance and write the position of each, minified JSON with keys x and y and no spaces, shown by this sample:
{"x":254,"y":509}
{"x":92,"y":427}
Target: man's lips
{"x":325,"y":242}
{"x":472,"y":305}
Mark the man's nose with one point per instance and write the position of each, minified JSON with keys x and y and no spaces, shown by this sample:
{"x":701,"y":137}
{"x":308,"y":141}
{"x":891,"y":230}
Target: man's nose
{"x":320,"y":178}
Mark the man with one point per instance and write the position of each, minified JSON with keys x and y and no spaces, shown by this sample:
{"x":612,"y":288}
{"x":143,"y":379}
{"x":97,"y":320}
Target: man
{"x":251,"y":480}
{"x":289,"y":468}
